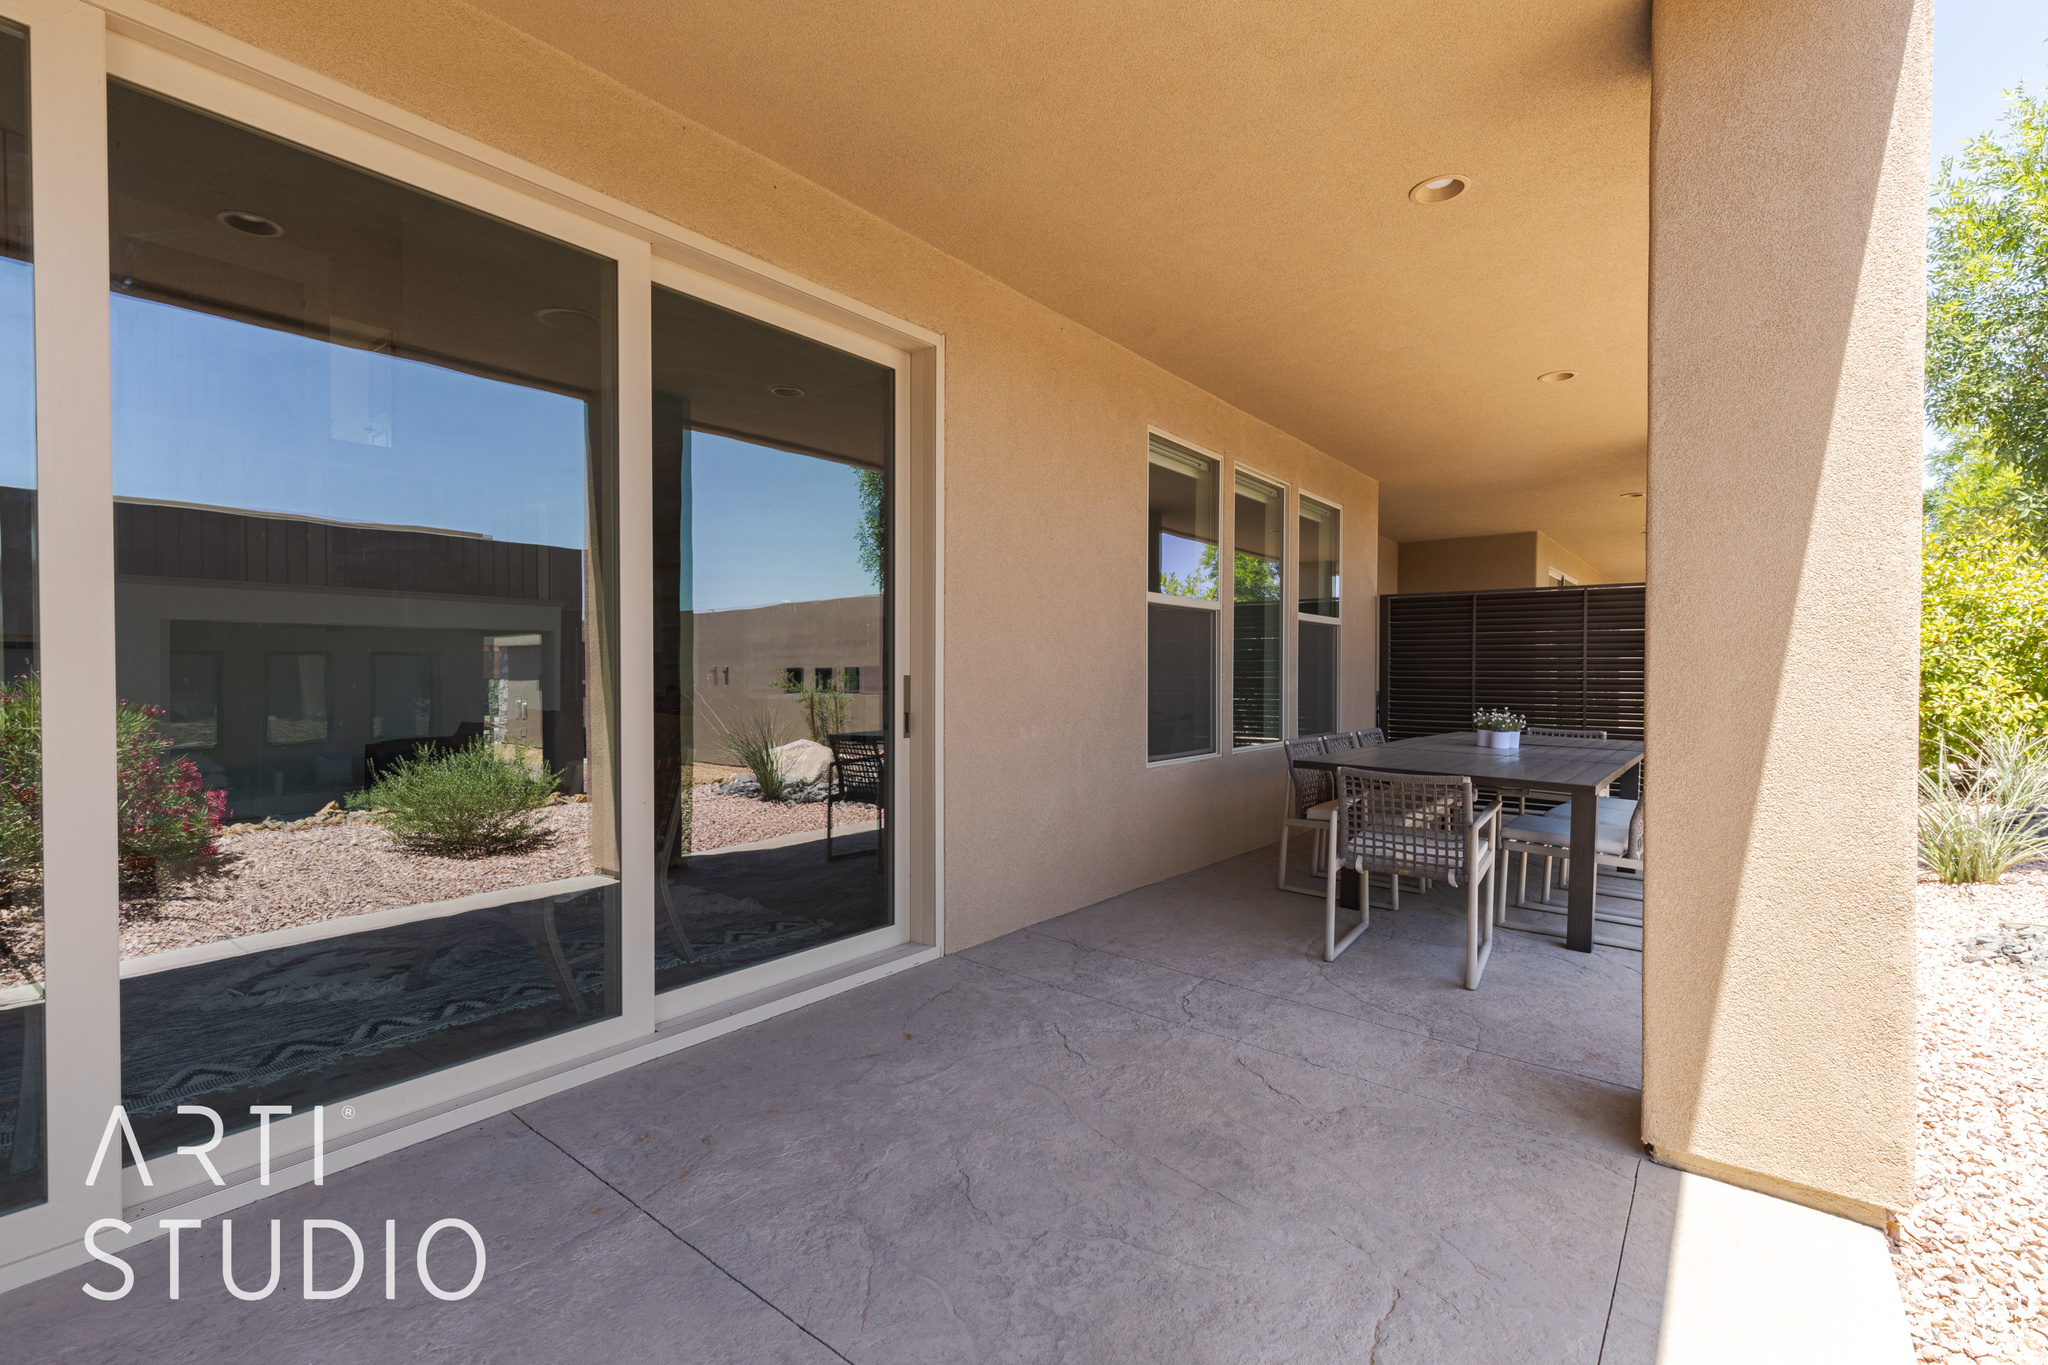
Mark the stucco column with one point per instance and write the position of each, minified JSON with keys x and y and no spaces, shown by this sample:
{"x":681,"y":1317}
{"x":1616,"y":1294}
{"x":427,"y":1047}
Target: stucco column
{"x":1788,"y":193}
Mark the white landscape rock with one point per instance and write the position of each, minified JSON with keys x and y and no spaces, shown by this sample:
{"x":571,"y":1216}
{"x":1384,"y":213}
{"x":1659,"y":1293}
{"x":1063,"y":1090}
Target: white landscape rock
{"x":803,"y":760}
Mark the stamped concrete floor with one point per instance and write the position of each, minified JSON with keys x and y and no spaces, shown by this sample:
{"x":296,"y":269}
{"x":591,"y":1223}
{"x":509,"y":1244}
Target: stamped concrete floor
{"x":1158,"y":1128}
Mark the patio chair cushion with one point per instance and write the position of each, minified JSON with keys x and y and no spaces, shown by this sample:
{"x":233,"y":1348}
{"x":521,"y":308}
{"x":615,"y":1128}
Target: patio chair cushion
{"x":1613,"y":810}
{"x":1324,"y":810}
{"x":1546,"y":830}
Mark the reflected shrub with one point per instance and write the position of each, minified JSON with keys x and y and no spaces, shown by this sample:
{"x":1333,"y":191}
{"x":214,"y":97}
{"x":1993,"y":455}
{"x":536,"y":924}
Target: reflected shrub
{"x":472,"y":803}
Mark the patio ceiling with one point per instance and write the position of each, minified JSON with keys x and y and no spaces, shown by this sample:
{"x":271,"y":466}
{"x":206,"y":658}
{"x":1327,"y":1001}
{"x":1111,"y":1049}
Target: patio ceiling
{"x":1222,"y":188}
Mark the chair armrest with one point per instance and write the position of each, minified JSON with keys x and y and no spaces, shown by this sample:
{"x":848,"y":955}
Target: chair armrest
{"x":1481,"y":815}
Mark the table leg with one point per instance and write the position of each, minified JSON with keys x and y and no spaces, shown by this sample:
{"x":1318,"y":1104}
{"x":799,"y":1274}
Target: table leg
{"x":1578,"y":922}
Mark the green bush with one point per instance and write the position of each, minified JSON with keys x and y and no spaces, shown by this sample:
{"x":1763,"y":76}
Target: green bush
{"x":1983,"y":812}
{"x":471,"y":803}
{"x":1983,"y":637}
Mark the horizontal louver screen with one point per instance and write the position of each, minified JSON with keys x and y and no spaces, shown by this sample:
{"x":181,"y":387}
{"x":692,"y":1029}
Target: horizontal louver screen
{"x":1571,"y":658}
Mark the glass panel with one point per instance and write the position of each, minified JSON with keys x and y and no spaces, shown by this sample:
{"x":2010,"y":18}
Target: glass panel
{"x":1319,"y":544}
{"x":772,"y":469}
{"x":1182,"y":512}
{"x":1316,"y":704}
{"x":361,"y":450}
{"x":22,"y":1168}
{"x":1180,"y":697}
{"x":1255,"y":620}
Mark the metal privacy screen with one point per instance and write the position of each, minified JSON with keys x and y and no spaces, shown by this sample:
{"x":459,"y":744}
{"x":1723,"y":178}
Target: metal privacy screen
{"x":1569,"y":658}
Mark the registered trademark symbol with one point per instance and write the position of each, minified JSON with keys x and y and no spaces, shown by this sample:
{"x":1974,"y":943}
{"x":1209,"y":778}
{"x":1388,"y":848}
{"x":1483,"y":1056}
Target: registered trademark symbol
{"x":348,"y":1111}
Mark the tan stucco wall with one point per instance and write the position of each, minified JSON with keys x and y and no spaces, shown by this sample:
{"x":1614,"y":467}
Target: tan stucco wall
{"x":1790,"y":154}
{"x":1049,"y":803}
{"x":1390,"y":566}
{"x":1469,"y":563}
{"x":1553,"y":557}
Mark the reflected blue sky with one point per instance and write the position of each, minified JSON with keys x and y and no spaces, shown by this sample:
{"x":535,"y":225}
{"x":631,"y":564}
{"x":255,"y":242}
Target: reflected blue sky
{"x":18,"y":364}
{"x":214,"y":411}
{"x":767,"y":526}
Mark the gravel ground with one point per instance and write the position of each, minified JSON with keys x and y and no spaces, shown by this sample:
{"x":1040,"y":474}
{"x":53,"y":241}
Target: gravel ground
{"x":275,"y":878}
{"x":718,"y":821}
{"x":1972,"y":1255}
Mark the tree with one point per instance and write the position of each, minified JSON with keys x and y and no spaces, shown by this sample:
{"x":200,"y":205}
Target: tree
{"x":1987,"y":306}
{"x":1256,"y":580}
{"x":1983,"y":636}
{"x":867,"y":536}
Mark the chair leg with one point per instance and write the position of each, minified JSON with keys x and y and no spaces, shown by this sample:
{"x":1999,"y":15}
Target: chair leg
{"x":1332,"y":945}
{"x":1478,"y":941}
{"x":1281,"y":880}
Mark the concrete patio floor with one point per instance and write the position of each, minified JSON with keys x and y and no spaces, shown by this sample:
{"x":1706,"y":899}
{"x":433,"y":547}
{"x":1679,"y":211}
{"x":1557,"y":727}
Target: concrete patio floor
{"x":1158,"y":1128}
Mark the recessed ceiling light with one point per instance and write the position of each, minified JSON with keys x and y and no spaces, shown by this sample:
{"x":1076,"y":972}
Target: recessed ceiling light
{"x":567,"y":319}
{"x":1557,"y":376}
{"x":255,"y":224}
{"x":1439,"y":188}
{"x":785,"y":391}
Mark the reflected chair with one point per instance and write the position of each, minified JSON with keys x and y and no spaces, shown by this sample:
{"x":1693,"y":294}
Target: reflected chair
{"x":1308,"y":805}
{"x":1429,"y":827}
{"x":856,"y":775}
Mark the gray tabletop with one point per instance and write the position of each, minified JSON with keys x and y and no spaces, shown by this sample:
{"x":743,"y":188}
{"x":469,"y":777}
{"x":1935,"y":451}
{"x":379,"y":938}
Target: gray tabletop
{"x":1578,"y":768}
{"x":1581,"y":765}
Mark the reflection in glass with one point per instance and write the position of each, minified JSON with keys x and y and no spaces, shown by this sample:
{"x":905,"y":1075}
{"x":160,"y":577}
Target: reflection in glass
{"x":1182,"y":512}
{"x":1180,"y":688}
{"x":1255,"y":621}
{"x":1317,"y":701}
{"x":361,"y":449}
{"x":22,"y":1088}
{"x":772,"y":468}
{"x":1318,"y":587}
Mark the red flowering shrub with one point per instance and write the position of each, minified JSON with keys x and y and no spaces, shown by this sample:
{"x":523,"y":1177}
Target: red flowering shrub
{"x":167,"y":815}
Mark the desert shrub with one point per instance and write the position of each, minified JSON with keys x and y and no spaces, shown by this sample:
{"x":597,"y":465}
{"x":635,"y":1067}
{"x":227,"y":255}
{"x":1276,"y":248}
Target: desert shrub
{"x":753,"y":741}
{"x":824,"y":706}
{"x":167,"y":817}
{"x":21,"y":784}
{"x":471,"y":803}
{"x":1984,"y":807}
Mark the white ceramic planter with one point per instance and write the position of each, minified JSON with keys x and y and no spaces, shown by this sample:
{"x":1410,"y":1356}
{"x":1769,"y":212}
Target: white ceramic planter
{"x":1500,"y":739}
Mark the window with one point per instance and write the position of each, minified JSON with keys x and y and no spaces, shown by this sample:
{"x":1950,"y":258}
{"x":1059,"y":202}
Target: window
{"x":1259,"y":547}
{"x":361,"y":475}
{"x":295,"y":699}
{"x":191,"y":718}
{"x":1317,"y":655}
{"x":764,"y":440}
{"x":23,"y":1179}
{"x":1181,"y":603}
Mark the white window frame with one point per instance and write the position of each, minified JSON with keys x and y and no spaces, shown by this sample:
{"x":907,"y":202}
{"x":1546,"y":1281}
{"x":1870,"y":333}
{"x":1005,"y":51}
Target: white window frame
{"x":1219,"y":724}
{"x":1288,"y":571}
{"x":73,"y":49}
{"x":1335,"y":623}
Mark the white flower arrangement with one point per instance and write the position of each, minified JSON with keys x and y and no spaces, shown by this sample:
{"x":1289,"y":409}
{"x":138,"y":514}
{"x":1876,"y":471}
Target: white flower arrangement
{"x":1498,"y":720}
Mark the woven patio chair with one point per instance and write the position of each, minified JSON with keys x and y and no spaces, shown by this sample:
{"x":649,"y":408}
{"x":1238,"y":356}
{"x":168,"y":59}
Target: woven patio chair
{"x":1618,"y":848}
{"x":1431,"y":827}
{"x":1308,"y":805}
{"x":1534,"y":733}
{"x":856,"y":775}
{"x":1369,"y":738}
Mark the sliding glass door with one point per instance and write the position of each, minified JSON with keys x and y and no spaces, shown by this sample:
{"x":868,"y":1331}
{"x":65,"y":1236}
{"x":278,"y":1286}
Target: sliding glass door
{"x":363,"y":455}
{"x":774,"y":756}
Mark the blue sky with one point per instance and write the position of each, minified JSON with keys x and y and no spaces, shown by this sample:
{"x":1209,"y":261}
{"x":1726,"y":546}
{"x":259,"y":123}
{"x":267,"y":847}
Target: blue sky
{"x":769,"y":526}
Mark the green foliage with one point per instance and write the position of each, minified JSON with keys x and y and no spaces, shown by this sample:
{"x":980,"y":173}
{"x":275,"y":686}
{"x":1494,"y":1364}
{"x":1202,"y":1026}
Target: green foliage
{"x":1983,"y":636}
{"x":21,"y":785}
{"x":471,"y":803}
{"x":824,"y":705}
{"x":1987,"y":317}
{"x":753,"y":741}
{"x":1981,"y":817}
{"x":1255,"y":580}
{"x":869,"y":543}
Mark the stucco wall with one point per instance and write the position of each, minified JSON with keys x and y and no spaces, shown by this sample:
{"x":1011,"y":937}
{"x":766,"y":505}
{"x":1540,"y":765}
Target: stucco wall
{"x":1790,"y":155}
{"x":1469,"y":563}
{"x":1049,"y":803}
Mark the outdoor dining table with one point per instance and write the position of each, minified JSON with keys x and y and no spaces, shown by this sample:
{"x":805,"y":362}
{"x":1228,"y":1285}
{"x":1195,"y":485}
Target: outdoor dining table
{"x":1581,"y":769}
